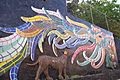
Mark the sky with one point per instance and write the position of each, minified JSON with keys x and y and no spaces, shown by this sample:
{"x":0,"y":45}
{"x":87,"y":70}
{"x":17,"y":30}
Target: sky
{"x":118,"y":1}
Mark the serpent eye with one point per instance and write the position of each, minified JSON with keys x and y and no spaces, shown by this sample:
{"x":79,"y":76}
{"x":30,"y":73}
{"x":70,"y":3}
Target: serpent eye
{"x":100,"y":36}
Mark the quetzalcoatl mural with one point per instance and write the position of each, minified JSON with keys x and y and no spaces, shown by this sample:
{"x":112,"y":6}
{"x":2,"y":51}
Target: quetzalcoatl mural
{"x":85,"y":43}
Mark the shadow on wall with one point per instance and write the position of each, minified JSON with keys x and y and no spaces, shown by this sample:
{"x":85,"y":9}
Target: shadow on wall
{"x":117,"y":43}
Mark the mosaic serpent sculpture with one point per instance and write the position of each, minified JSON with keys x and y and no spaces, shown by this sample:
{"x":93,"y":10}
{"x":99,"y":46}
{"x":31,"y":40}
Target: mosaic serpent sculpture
{"x":62,"y":33}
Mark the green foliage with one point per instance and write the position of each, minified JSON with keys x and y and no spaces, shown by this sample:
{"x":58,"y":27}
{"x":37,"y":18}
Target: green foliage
{"x":103,"y":13}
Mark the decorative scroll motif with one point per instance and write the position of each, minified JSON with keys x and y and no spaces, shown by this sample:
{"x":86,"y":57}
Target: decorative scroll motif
{"x":88,"y":40}
{"x":13,"y":29}
{"x":35,"y":18}
{"x":10,"y":50}
{"x":8,"y":40}
{"x":14,"y":70}
{"x":31,"y":32}
{"x":76,"y":23}
{"x":4,"y":68}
